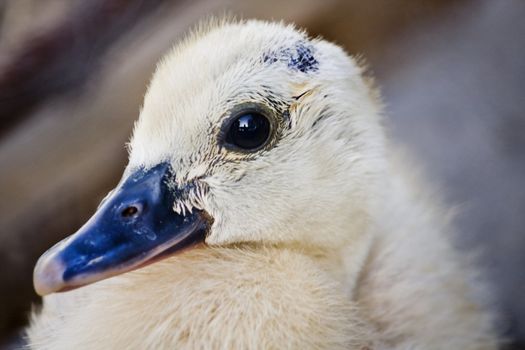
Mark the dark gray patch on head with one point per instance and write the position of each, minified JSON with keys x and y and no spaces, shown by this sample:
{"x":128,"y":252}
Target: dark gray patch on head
{"x":300,"y":57}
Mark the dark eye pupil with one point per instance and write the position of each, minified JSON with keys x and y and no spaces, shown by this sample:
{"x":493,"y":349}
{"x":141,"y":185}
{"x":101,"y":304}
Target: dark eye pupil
{"x":249,"y":131}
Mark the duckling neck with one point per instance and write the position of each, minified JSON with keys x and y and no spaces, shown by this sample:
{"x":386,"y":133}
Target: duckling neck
{"x":225,"y":297}
{"x":342,"y":263}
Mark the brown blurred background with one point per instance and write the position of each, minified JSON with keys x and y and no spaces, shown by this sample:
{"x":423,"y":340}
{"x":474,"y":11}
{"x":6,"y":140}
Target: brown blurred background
{"x":73,"y":74}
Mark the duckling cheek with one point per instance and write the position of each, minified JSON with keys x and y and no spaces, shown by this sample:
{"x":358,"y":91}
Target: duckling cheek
{"x":133,"y":227}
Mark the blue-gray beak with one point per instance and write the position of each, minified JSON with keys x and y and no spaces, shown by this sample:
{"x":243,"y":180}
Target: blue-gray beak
{"x":134,"y":226}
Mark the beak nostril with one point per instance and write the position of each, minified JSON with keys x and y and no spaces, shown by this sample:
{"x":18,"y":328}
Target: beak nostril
{"x":130,"y":211}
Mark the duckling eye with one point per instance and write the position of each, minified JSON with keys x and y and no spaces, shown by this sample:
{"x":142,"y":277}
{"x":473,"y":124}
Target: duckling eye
{"x":248,"y":131}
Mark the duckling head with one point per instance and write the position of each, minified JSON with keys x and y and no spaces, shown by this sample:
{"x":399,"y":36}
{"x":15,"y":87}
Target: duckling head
{"x":249,"y":132}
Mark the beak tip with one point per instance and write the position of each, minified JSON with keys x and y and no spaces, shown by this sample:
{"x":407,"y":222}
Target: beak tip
{"x":47,"y":276}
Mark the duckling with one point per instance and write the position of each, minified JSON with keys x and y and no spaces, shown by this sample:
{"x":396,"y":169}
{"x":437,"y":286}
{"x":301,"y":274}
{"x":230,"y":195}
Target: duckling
{"x":262,"y":207}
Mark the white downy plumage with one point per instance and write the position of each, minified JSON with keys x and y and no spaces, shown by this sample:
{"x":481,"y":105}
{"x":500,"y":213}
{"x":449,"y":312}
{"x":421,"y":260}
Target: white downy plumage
{"x":323,"y":239}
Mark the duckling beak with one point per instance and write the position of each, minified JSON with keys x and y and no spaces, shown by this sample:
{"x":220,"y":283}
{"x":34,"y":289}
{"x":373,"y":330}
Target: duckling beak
{"x":135,"y":226}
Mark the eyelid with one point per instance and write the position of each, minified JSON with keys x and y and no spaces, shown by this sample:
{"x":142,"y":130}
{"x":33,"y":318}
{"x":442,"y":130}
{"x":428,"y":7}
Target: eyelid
{"x":247,"y":107}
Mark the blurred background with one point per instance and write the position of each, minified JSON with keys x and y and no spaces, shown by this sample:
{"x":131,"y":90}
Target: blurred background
{"x":73,"y":74}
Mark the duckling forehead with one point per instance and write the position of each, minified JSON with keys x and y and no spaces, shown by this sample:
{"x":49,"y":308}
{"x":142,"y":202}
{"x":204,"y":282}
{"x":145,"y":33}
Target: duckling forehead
{"x":195,"y":88}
